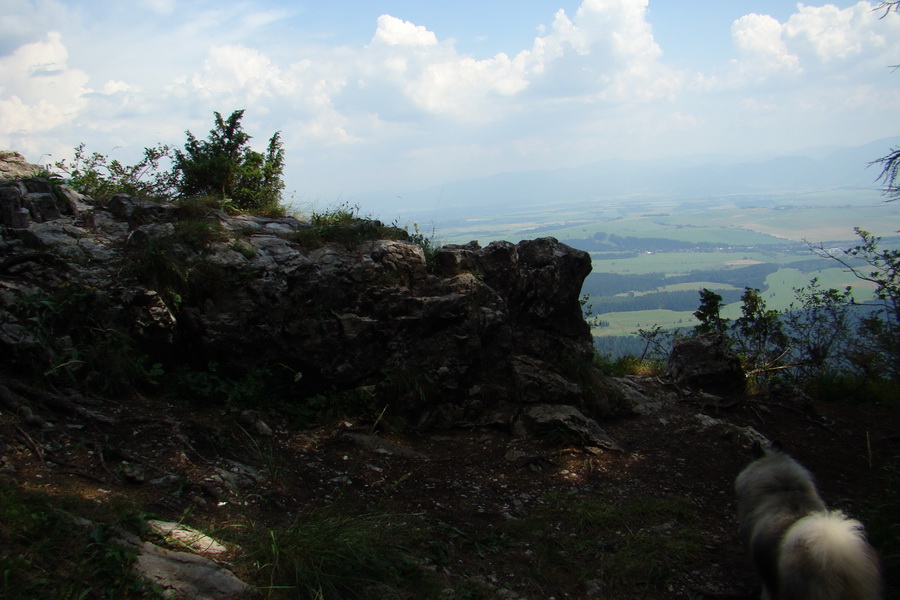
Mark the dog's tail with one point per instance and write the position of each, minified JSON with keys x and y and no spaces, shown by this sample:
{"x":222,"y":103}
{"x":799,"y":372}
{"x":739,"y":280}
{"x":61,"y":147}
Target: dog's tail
{"x":825,"y":556}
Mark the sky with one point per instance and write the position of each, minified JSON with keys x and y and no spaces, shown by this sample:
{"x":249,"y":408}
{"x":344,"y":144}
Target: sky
{"x":394,"y":96}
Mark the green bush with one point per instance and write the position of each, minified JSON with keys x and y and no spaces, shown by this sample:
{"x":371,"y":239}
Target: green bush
{"x":97,"y":176}
{"x":223,"y":166}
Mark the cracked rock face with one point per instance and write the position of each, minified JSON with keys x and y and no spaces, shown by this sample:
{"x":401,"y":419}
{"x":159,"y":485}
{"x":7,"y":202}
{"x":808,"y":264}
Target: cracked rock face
{"x":477,"y":332}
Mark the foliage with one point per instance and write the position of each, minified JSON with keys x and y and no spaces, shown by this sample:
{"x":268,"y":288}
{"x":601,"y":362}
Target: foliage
{"x":819,"y":325}
{"x":658,"y":342}
{"x":211,"y":384}
{"x":629,"y":365}
{"x":879,"y":334}
{"x":334,"y":556}
{"x":883,"y":524}
{"x":81,"y":347}
{"x":887,"y":6}
{"x":821,"y":331}
{"x":46,"y":554}
{"x":225,"y":167}
{"x":342,"y":224}
{"x":425,"y":241}
{"x":97,"y":176}
{"x":890,"y":169}
{"x":708,"y":313}
{"x":162,"y":263}
{"x":758,"y":334}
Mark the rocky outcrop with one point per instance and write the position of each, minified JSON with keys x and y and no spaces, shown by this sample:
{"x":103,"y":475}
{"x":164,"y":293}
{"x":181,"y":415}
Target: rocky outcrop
{"x":14,"y":166}
{"x":352,"y":312}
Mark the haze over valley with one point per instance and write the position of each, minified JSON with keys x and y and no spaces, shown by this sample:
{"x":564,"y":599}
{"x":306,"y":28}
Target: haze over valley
{"x":659,"y":231}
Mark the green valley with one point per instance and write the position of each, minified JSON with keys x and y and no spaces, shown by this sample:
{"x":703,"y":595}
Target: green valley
{"x":652,"y":255}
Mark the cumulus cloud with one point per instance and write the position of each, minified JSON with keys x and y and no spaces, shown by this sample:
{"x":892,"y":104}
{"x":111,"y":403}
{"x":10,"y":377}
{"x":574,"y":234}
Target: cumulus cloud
{"x":606,"y":53}
{"x":816,"y":41}
{"x":397,"y":32}
{"x":236,"y":70}
{"x":761,"y":48}
{"x":39,"y":91}
{"x":828,"y":36}
{"x":593,"y":80}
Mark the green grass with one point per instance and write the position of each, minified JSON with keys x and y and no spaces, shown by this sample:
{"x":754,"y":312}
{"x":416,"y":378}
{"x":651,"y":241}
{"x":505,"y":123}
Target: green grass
{"x":817,"y":216}
{"x":335,"y":555}
{"x":48,"y":554}
{"x":678,"y":263}
{"x":631,"y":546}
{"x":627,"y":323}
{"x":778,"y":294}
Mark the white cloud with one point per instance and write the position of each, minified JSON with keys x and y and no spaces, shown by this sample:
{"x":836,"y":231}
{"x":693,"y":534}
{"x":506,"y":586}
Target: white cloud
{"x":115,"y":87}
{"x":236,"y":70}
{"x":401,"y":103}
{"x":762,"y":51}
{"x":605,"y":53}
{"x":40,"y":92}
{"x":826,"y":34}
{"x":397,"y":32}
{"x":815,"y":42}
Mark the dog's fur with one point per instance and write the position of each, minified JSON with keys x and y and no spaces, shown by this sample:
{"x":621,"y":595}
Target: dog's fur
{"x":800,"y":549}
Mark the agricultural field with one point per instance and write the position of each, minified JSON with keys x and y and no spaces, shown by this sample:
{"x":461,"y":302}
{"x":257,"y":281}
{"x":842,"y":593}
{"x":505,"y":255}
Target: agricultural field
{"x":658,"y":245}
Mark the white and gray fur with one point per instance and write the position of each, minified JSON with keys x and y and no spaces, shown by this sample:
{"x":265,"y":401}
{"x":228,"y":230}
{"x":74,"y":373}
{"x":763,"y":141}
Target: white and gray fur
{"x":800,"y":549}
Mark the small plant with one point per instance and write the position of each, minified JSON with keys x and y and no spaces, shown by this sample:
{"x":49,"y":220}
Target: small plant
{"x":630,"y":365}
{"x":46,"y":555}
{"x":427,"y":242}
{"x":334,"y":556}
{"x":97,"y":176}
{"x":342,"y":224}
{"x":71,"y":324}
{"x":212,"y":384}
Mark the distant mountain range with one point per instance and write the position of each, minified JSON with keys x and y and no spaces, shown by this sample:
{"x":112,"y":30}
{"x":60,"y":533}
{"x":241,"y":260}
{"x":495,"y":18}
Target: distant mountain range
{"x":696,"y":176}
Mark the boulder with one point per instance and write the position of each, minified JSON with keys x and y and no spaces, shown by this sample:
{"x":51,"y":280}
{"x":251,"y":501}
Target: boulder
{"x":14,"y":166}
{"x":705,"y":362}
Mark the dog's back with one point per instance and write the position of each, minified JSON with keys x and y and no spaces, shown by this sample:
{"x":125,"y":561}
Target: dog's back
{"x":800,"y":550}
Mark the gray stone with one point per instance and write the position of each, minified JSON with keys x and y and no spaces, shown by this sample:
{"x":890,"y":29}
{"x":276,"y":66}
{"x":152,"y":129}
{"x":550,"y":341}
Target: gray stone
{"x":707,"y":363}
{"x":438,"y":345}
{"x":189,"y":537}
{"x":543,"y":418}
{"x":188,"y":576}
{"x":14,"y":166}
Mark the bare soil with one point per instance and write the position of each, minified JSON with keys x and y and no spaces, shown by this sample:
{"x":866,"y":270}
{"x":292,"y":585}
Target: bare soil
{"x":504,"y":514}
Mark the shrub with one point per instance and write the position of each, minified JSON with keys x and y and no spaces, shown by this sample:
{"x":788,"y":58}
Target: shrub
{"x":223,"y":166}
{"x":97,"y":176}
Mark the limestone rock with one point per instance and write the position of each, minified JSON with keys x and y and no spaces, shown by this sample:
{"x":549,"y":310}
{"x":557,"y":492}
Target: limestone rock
{"x":447,"y":343}
{"x":189,"y":576}
{"x":187,"y":536}
{"x":14,"y":166}
{"x":543,"y":418}
{"x":707,"y":363}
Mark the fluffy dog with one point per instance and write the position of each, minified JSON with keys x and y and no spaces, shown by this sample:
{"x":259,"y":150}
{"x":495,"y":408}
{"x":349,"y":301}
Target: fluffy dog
{"x":799,"y":548}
